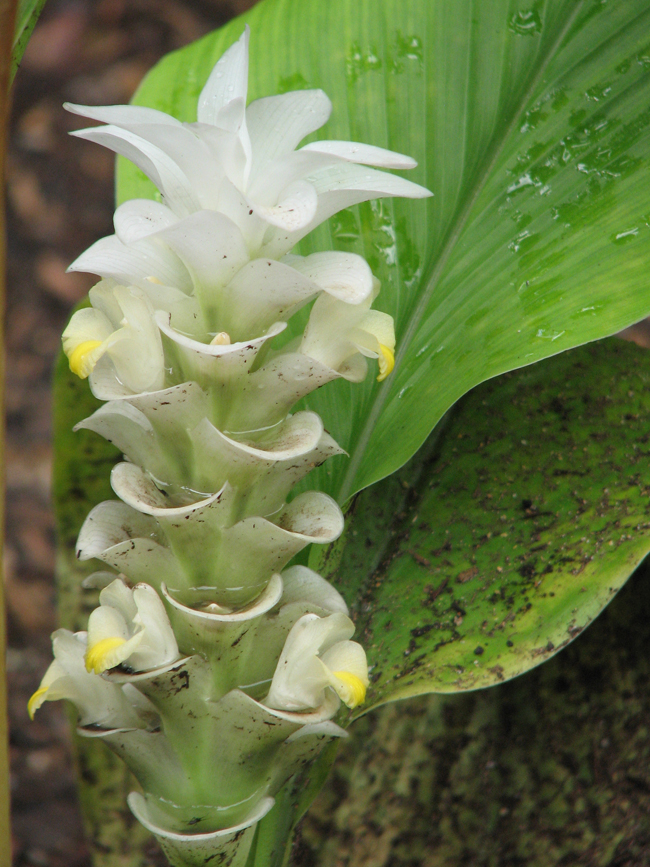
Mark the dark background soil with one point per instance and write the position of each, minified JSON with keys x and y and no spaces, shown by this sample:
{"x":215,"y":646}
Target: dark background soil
{"x":60,"y":200}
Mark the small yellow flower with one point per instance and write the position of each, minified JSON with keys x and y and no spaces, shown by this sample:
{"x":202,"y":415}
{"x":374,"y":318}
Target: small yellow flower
{"x":352,"y":689}
{"x":83,"y":358}
{"x":99,"y":657}
{"x":386,"y":362}
{"x":35,"y":701}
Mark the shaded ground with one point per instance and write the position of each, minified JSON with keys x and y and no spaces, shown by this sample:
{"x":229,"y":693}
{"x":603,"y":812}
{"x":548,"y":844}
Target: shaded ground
{"x":60,"y":200}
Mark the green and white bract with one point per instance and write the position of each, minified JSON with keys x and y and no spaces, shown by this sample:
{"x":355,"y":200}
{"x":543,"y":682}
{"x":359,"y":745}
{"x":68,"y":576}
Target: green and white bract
{"x":180,"y":341}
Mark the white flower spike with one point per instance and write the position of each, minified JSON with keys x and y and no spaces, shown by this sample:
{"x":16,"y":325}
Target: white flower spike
{"x":186,"y":341}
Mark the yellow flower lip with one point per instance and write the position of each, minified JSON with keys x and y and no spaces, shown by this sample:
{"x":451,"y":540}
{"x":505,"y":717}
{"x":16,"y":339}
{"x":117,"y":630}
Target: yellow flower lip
{"x":97,"y":656}
{"x":78,"y":358}
{"x":33,"y":704}
{"x":386,"y":362}
{"x":356,"y":687}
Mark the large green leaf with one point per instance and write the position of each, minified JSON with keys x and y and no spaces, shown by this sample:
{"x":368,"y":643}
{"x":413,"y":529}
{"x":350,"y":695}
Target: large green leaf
{"x":491,"y":553}
{"x":531,"y":123}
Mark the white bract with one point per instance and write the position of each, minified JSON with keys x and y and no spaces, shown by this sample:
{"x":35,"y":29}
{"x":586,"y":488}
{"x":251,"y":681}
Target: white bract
{"x":130,"y":627}
{"x":318,"y":654}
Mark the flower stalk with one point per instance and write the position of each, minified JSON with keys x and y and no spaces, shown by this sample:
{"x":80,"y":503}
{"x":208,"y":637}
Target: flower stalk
{"x":212,"y":666}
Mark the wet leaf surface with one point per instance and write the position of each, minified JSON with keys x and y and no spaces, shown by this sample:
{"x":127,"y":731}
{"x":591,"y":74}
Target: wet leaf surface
{"x":528,"y":514}
{"x":531,"y":126}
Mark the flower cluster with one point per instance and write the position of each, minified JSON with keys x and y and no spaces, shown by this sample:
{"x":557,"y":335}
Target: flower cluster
{"x":183,"y":341}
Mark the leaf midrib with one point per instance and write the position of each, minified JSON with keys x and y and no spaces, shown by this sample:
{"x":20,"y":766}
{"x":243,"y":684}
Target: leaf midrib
{"x":456,"y":230}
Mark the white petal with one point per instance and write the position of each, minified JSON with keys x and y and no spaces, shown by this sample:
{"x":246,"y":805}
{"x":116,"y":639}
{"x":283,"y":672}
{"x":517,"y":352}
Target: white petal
{"x":86,"y":324}
{"x":218,"y":458}
{"x":345,"y":276}
{"x":158,"y":646}
{"x":102,"y":297}
{"x":272,"y":391}
{"x":139,"y":218}
{"x":375,"y":328}
{"x":347,"y":656}
{"x":328,"y":336}
{"x":122,"y":115}
{"x":107,"y":622}
{"x":277,"y":124}
{"x":184,"y":311}
{"x":228,"y":152}
{"x":313,"y":515}
{"x":136,"y":348}
{"x":339,"y":187}
{"x":271,"y":185}
{"x":347,"y":176}
{"x":204,"y":170}
{"x":161,"y":169}
{"x":110,"y":523}
{"x":228,"y":81}
{"x":129,"y":542}
{"x":262,"y":292}
{"x":135,"y":488}
{"x":273,"y":489}
{"x":368,"y":155}
{"x":117,"y":595}
{"x":133,"y":264}
{"x":295,"y":210}
{"x":207,"y":363}
{"x":210,"y":245}
{"x":98,"y":702}
{"x":132,"y":433}
{"x":174,"y":411}
{"x":301,"y":583}
{"x":300,"y":678}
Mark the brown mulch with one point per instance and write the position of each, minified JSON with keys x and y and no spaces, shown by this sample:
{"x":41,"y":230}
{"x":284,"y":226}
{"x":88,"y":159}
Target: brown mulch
{"x":60,"y":200}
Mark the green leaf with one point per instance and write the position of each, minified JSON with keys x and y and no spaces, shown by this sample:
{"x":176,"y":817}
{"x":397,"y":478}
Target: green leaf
{"x":26,"y":18}
{"x":487,"y":556}
{"x":531,"y":123}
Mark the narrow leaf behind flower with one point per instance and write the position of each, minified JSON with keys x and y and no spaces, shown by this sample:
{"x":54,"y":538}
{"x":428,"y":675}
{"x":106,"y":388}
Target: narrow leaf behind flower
{"x":530,"y":123}
{"x":27,"y":15}
{"x":486,"y":556}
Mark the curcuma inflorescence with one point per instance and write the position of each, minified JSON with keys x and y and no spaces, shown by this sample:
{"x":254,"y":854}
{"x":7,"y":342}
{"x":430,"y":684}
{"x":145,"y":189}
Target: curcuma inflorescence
{"x":212,"y":672}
